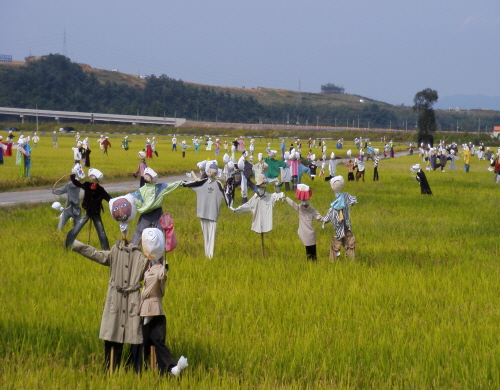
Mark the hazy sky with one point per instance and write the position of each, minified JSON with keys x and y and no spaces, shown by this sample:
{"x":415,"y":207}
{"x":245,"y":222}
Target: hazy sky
{"x":385,"y":50}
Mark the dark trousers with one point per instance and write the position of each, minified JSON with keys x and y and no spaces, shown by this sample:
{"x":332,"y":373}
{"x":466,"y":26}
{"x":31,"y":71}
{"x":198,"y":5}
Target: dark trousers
{"x":311,"y":252}
{"x":375,"y":174}
{"x":153,"y":334}
{"x":146,"y":220}
{"x":350,"y":176}
{"x":134,"y":359}
{"x":99,"y":227}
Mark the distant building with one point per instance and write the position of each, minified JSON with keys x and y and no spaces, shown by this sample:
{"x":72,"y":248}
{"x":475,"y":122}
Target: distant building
{"x":5,"y":58}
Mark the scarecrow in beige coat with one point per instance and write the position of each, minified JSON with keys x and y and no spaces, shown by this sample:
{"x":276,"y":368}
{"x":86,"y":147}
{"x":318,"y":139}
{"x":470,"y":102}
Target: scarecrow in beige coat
{"x":121,"y":323}
{"x":155,"y":323}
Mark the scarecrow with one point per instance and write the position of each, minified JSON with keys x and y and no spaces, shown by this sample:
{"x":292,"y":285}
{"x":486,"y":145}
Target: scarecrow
{"x":273,"y":166}
{"x":10,"y":141}
{"x":72,"y":209}
{"x":376,"y":160}
{"x":121,"y":323}
{"x":184,"y":146}
{"x":425,"y":189}
{"x":105,"y":144}
{"x":148,"y":149}
{"x":100,"y":140}
{"x":125,"y":143}
{"x":154,"y":329}
{"x":153,"y":146}
{"x":306,"y":215}
{"x":77,"y":152}
{"x":93,"y":195}
{"x":261,"y":206}
{"x":23,"y":157}
{"x":339,"y":215}
{"x":246,"y":171}
{"x":209,"y":195}
{"x":36,"y":138}
{"x":149,"y":200}
{"x":140,"y":169}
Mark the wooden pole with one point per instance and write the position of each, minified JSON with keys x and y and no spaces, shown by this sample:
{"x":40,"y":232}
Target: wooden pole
{"x":112,"y":361}
{"x":153,"y":357}
{"x":262,"y":242}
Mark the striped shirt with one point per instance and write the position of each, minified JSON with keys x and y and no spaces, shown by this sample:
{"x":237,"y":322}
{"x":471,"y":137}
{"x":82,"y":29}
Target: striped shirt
{"x":333,"y":216}
{"x":376,"y":160}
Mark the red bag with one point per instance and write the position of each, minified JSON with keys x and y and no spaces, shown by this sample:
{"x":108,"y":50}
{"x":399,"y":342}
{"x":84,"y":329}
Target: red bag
{"x":167,"y":223}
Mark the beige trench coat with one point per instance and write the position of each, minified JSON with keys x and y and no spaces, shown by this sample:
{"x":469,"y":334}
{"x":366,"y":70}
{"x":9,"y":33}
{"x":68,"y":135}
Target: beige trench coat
{"x":120,"y":322}
{"x":154,"y":290}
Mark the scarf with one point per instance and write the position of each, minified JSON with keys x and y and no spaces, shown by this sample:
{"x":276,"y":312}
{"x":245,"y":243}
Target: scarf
{"x":339,"y":204}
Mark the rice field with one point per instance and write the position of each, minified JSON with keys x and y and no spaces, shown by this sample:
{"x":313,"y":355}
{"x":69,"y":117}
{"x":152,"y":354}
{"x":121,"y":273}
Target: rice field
{"x":417,"y":309}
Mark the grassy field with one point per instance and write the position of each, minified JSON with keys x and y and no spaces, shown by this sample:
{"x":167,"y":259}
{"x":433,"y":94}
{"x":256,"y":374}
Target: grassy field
{"x":417,"y":309}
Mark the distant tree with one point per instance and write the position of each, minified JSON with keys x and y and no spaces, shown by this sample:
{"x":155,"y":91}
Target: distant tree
{"x":332,"y":88}
{"x":426,"y":122}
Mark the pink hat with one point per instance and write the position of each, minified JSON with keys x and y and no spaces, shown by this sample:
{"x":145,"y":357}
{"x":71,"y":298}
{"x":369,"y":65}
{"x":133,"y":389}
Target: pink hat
{"x":303,"y":192}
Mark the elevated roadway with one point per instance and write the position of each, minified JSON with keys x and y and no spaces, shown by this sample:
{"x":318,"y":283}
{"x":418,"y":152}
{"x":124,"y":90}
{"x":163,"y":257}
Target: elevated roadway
{"x":92,"y":117}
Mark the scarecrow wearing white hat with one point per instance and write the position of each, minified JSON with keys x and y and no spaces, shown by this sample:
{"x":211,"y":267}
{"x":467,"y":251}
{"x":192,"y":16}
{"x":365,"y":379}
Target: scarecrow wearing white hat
{"x":184,"y":146}
{"x":376,"y":160}
{"x":209,"y":196}
{"x":293,"y":164}
{"x":153,"y":146}
{"x":360,"y":164}
{"x":306,"y":215}
{"x":100,"y":140}
{"x":72,"y":209}
{"x":154,"y":329}
{"x":369,"y":151}
{"x":285,"y":174}
{"x":140,"y":169}
{"x":10,"y":141}
{"x":35,"y":139}
{"x":209,"y":144}
{"x":174,"y":144}
{"x":332,"y":166}
{"x":121,"y":322}
{"x":260,"y":166}
{"x":312,"y":166}
{"x":93,"y":195}
{"x":148,"y":149}
{"x":340,"y":216}
{"x":251,"y":148}
{"x":105,"y":144}
{"x":125,"y":143}
{"x":23,"y":157}
{"x":149,"y":200}
{"x":217,"y":146}
{"x":425,"y":189}
{"x":77,"y":137}
{"x":85,"y":151}
{"x":350,"y":165}
{"x":77,"y":152}
{"x":273,"y":166}
{"x":261,"y":206}
{"x":452,"y":157}
{"x":246,"y":172}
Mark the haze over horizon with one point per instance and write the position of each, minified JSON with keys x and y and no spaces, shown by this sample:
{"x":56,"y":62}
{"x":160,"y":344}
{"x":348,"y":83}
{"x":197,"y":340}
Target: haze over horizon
{"x":386,"y":50}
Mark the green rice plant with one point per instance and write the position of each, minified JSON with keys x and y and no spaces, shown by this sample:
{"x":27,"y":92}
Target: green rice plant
{"x":417,"y":308}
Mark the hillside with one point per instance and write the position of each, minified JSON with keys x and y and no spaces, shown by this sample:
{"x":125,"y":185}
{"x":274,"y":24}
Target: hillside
{"x":162,"y":96}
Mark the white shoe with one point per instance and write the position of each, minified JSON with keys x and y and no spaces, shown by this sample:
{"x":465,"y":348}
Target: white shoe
{"x":442,"y":170}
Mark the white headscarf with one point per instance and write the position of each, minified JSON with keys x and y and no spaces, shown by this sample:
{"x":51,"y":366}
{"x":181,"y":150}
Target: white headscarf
{"x":153,"y":243}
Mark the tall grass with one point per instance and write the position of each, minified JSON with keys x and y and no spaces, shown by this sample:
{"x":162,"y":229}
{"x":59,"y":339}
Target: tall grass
{"x":418,"y":308}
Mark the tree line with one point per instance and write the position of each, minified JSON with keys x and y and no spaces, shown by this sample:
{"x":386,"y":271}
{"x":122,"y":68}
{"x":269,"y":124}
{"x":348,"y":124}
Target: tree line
{"x":54,"y":82}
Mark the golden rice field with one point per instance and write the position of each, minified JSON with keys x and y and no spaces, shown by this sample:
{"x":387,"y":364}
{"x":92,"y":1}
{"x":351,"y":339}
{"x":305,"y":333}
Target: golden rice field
{"x":418,"y":308}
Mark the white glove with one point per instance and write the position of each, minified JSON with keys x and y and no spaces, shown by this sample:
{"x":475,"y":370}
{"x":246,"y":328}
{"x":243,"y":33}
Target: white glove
{"x":57,"y":206}
{"x":232,"y":208}
{"x":181,"y":365}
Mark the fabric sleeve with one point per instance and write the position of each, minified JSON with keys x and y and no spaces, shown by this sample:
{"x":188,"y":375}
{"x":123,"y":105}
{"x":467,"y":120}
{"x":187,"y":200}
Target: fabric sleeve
{"x":101,"y":257}
{"x":246,"y":207}
{"x":349,"y":199}
{"x":294,"y":205}
{"x":61,"y":190}
{"x":171,"y":187}
{"x":75,"y":182}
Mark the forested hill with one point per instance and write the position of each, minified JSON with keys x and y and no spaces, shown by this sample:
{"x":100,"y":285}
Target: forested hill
{"x":53,"y":82}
